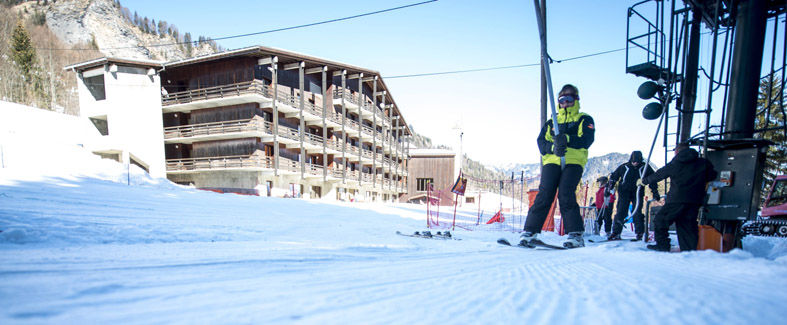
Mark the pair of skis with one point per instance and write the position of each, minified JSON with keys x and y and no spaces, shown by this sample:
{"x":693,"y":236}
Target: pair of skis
{"x":612,"y":240}
{"x":428,"y":234}
{"x":535,"y":243}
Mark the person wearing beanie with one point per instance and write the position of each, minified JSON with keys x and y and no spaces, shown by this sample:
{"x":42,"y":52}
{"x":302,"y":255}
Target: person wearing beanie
{"x":605,"y":201}
{"x":628,"y":174}
{"x":576,"y":134}
{"x":688,"y":174}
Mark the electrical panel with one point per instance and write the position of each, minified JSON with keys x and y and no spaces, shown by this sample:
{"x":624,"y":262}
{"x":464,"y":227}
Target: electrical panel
{"x":735,"y":193}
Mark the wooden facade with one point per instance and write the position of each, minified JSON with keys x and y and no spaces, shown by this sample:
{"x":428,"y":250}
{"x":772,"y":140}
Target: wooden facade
{"x":435,"y":164}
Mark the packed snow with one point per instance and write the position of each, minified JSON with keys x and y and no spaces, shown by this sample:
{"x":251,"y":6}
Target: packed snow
{"x":88,"y":240}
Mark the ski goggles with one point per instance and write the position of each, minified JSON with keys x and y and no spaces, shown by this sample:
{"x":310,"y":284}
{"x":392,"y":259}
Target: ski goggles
{"x":567,"y":99}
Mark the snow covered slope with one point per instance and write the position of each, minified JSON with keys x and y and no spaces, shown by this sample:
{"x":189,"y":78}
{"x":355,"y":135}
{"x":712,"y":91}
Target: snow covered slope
{"x":93,"y":243}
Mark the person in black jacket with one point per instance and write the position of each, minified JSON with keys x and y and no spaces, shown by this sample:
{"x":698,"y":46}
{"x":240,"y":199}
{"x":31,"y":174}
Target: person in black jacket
{"x":688,"y":175}
{"x":628,"y":174}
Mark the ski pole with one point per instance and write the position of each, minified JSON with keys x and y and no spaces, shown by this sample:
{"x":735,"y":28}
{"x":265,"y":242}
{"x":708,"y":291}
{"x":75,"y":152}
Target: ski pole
{"x":544,"y":58}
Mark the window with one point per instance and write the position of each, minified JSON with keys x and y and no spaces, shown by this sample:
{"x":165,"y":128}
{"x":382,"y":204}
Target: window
{"x":96,"y":87}
{"x":101,"y":125}
{"x":423,"y":183}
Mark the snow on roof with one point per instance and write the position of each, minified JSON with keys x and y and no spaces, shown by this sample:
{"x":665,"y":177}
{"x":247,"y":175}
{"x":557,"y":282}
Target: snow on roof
{"x":431,"y":153}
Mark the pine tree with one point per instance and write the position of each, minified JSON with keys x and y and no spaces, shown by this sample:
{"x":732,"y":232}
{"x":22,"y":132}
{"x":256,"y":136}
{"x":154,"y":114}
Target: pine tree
{"x":162,"y":28}
{"x":187,"y":43}
{"x":22,"y":50}
{"x":772,"y":119}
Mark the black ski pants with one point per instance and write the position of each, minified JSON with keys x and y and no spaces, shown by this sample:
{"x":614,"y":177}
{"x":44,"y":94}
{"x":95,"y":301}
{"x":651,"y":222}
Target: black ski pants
{"x":624,"y":199}
{"x":564,"y":182}
{"x":605,"y":218}
{"x":684,"y":215}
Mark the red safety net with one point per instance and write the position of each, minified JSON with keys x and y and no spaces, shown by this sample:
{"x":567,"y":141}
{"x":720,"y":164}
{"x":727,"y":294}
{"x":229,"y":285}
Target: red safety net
{"x":487,"y":204}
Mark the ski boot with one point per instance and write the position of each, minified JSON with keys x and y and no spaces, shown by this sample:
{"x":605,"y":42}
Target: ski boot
{"x":659,"y":248}
{"x":426,"y":234}
{"x":613,"y":236}
{"x":639,"y":237}
{"x":575,"y":240}
{"x":525,"y":239}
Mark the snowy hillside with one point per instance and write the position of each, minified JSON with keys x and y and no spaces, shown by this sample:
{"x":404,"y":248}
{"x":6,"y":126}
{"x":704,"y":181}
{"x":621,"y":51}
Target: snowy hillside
{"x":85,"y":241}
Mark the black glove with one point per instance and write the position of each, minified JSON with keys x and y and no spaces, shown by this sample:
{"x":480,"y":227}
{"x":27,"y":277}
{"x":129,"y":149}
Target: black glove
{"x":656,"y":195}
{"x":560,"y":142}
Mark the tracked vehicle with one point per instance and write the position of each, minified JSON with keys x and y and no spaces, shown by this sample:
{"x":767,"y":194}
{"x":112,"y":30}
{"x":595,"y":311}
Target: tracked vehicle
{"x":773,"y":218}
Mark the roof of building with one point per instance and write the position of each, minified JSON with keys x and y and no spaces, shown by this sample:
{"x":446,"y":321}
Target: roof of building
{"x":87,"y":65}
{"x":432,"y":153}
{"x":283,"y":57}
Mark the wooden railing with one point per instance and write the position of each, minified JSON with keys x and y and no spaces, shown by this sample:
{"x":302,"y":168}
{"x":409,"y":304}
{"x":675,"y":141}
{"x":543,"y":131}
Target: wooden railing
{"x":226,"y":127}
{"x":367,"y":154}
{"x":335,"y":117}
{"x":352,"y":124}
{"x":312,"y":109}
{"x":338,"y":93}
{"x":230,"y":90}
{"x":226,"y":162}
{"x":289,"y":133}
{"x":313,"y":139}
{"x":367,"y":130}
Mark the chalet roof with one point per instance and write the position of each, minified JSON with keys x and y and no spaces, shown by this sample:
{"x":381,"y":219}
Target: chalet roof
{"x":108,"y":60}
{"x":432,"y":153}
{"x":284,"y":57}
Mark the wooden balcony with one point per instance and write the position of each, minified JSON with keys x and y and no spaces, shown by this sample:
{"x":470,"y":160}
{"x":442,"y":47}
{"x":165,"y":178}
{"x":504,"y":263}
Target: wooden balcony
{"x":367,"y":111}
{"x":367,"y":133}
{"x":367,"y":156}
{"x":248,"y":163}
{"x":312,"y":115}
{"x":219,"y":130}
{"x":351,"y":102}
{"x":256,"y":92}
{"x":191,"y":165}
{"x":351,"y":127}
{"x":238,"y":93}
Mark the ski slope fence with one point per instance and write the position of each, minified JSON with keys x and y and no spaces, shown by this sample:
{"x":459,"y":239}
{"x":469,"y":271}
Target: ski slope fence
{"x":480,"y":207}
{"x":484,"y":204}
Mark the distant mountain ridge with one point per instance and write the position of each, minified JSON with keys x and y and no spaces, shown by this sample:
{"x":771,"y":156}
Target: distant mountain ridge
{"x":595,"y":167}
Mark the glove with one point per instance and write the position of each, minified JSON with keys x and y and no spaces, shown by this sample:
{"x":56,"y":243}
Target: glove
{"x":560,"y":142}
{"x":640,"y":183}
{"x":657,"y":195}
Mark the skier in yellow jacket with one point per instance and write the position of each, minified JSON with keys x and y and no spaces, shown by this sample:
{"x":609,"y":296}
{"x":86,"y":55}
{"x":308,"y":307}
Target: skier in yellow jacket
{"x":572,"y":142}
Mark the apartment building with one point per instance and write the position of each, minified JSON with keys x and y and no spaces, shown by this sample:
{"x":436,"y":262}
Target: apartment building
{"x":257,"y":120}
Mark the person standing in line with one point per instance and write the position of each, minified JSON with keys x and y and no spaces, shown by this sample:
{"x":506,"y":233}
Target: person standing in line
{"x":688,"y":174}
{"x":628,"y":174}
{"x":605,"y":201}
{"x":576,"y":134}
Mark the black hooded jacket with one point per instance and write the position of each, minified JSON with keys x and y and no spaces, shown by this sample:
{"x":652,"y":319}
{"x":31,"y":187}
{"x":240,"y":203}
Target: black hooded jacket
{"x":628,"y":175}
{"x":688,"y":174}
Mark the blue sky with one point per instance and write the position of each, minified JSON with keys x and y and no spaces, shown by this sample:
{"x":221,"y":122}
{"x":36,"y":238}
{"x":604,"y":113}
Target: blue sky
{"x":498,"y":110}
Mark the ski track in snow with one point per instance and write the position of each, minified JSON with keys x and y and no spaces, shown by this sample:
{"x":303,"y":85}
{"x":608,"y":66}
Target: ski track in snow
{"x":89,"y":251}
